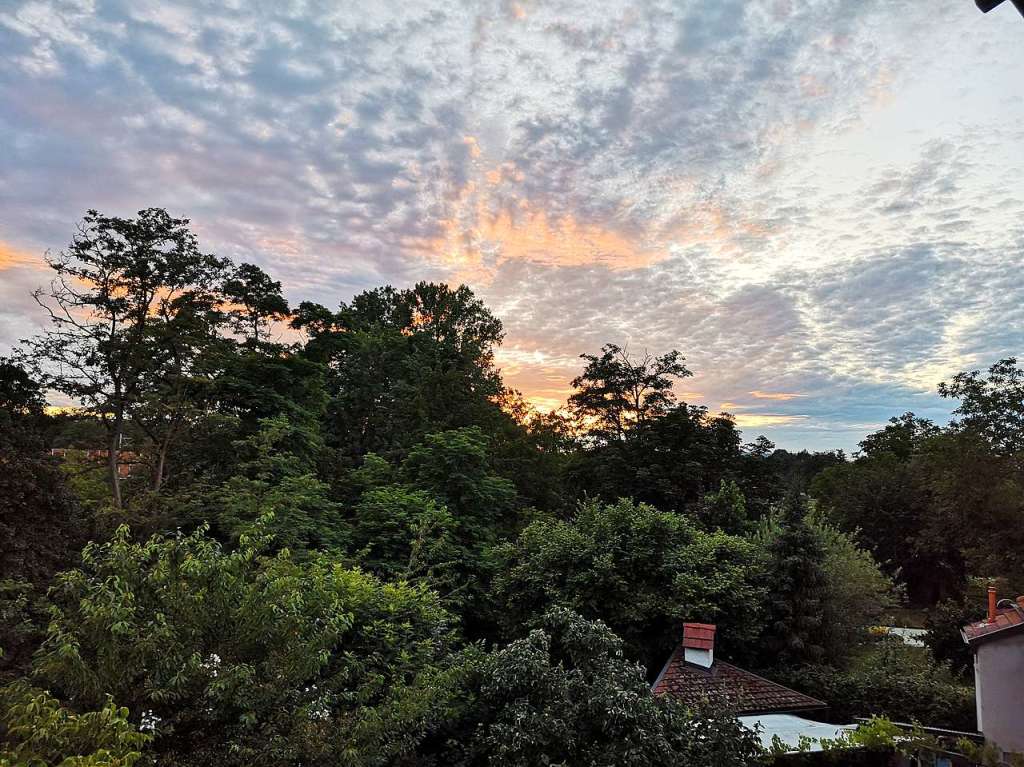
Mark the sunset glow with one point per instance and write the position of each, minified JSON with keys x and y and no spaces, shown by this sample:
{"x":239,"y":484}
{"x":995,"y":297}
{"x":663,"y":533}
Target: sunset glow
{"x":800,"y":197}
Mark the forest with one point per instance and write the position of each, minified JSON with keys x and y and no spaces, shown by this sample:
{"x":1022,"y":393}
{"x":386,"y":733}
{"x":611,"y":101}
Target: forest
{"x":236,"y":531}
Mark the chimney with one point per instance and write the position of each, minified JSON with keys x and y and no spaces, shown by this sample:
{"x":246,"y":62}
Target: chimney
{"x":699,"y":644}
{"x":991,"y":603}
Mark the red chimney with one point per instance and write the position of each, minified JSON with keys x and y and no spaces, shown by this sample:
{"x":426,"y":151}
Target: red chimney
{"x":991,"y":604}
{"x":699,"y":644}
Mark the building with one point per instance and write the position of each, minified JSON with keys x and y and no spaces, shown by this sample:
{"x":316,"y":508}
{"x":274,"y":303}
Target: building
{"x":692,"y":675}
{"x":127,"y":461}
{"x":998,"y":646}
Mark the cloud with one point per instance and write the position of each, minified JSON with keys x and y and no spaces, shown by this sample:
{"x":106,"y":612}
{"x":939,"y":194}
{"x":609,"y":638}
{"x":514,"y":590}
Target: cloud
{"x":815,"y":197}
{"x":780,"y":396}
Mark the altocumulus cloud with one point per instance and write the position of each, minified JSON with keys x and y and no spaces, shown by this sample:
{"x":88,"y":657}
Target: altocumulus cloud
{"x":806,"y":198}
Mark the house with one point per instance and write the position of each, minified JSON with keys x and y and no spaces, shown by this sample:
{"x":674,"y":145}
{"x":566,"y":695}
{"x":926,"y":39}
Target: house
{"x":692,"y":674}
{"x":998,"y":646}
{"x":127,"y":461}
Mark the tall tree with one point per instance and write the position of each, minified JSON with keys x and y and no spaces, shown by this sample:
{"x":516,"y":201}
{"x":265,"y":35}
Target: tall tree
{"x":798,"y":581}
{"x":993,"y":405}
{"x":902,"y":437}
{"x":616,"y":392}
{"x":403,"y":364}
{"x":256,"y":300}
{"x":118,"y":280}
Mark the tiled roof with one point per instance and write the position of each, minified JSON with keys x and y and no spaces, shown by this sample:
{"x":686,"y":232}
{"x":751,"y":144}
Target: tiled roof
{"x":1006,"y":619}
{"x":747,"y":692}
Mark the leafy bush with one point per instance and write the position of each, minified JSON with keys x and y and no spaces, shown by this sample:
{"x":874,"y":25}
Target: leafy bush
{"x":566,"y":695}
{"x":641,"y":571}
{"x":892,"y":680}
{"x":36,"y":729}
{"x":240,"y":658}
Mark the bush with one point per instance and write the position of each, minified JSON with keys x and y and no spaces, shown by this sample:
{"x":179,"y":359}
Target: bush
{"x":566,"y":695}
{"x":902,"y":683}
{"x":36,"y":729}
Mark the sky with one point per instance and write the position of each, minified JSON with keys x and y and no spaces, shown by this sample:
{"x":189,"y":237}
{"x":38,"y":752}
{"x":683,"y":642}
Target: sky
{"x":820,"y":203}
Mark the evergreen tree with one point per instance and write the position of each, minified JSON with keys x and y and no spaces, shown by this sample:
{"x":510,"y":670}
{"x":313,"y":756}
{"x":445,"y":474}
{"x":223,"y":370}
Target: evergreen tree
{"x":798,"y":588}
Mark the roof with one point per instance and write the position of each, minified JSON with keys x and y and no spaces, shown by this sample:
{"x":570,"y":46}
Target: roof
{"x":748,"y":692}
{"x":1008,"y":619}
{"x":794,"y":732}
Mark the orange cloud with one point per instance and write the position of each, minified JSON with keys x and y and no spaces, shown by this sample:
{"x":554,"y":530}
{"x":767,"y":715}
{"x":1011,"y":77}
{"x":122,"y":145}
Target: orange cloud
{"x":755,"y":420}
{"x":478,"y":238}
{"x":779,"y":396}
{"x":12,"y":259}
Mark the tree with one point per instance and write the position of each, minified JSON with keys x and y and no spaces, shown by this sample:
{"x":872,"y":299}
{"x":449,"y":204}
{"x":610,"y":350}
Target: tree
{"x":403,"y":364}
{"x":944,"y":639}
{"x":565,"y":694}
{"x":616,"y":393}
{"x":725,"y":510}
{"x":21,"y":406}
{"x":793,"y":634}
{"x":455,"y":467}
{"x":641,"y":571}
{"x":893,"y":680}
{"x":405,"y":534}
{"x":42,"y":525}
{"x":240,"y":658}
{"x":436,"y":515}
{"x":857,"y":593}
{"x":278,"y":490}
{"x":992,"y":406}
{"x":119,"y":280}
{"x":187,"y":357}
{"x":903,"y":437}
{"x":881,"y":500}
{"x":670,"y":462}
{"x":257,"y":300}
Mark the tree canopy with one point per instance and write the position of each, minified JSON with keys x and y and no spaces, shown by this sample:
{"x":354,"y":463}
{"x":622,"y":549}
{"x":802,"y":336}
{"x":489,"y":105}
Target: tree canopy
{"x":263,"y":531}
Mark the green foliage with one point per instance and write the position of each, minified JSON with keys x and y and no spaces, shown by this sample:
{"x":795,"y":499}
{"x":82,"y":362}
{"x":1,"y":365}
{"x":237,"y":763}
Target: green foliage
{"x":725,"y":510}
{"x":239,"y":658}
{"x":22,"y":623}
{"x":641,"y":571}
{"x":132,"y":301}
{"x":944,"y":622}
{"x":257,"y":299}
{"x":454,"y":466}
{"x":886,"y":502}
{"x":893,"y":680}
{"x":280,"y":490}
{"x":405,"y":534}
{"x":794,"y":631}
{"x":902,"y":437}
{"x":386,"y":446}
{"x":42,"y":524}
{"x":403,"y":364}
{"x":37,"y":730}
{"x":858,"y":594}
{"x":670,"y":462}
{"x":21,"y":407}
{"x":616,"y":393}
{"x":937,"y":506}
{"x":435,"y":518}
{"x":992,"y":406}
{"x":566,"y":695}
